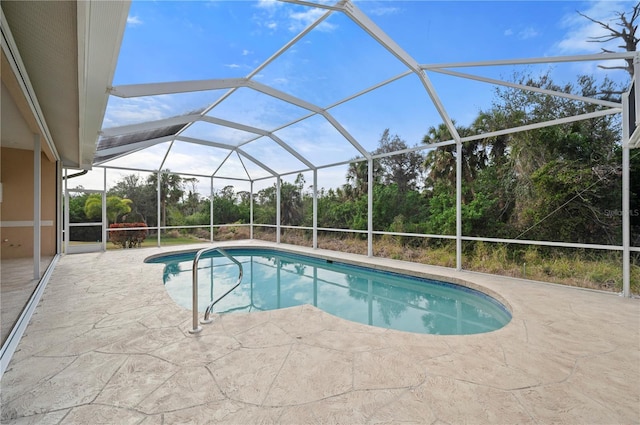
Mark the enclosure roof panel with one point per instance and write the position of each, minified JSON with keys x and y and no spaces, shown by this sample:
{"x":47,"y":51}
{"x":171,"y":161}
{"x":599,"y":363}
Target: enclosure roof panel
{"x":315,"y":93}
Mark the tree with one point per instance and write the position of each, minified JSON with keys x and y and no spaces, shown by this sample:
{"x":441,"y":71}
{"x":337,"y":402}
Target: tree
{"x":76,"y":207}
{"x":440,"y":163}
{"x":552,"y":183}
{"x":401,"y":169}
{"x":358,"y":178}
{"x":291,"y":212}
{"x":171,"y":191}
{"x":144,"y":196}
{"x":626,"y":33}
{"x":77,"y":215}
{"x":265,"y":205}
{"x":116,"y":207}
{"x":291,"y":203}
{"x":191,"y":203}
{"x":226,"y":208}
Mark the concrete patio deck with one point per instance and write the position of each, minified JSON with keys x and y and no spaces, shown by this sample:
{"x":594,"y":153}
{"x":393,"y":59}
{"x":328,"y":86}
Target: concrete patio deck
{"x":108,"y":345}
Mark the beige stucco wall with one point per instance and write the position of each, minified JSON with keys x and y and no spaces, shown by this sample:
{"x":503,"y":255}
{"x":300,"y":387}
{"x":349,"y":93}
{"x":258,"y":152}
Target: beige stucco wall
{"x":16,"y":208}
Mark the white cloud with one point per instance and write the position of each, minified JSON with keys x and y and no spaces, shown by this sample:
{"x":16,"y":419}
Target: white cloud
{"x":301,"y":20}
{"x":123,"y":111}
{"x":523,"y":34}
{"x":246,"y":52}
{"x":232,"y":65}
{"x":579,"y":30}
{"x":274,"y":15}
{"x":382,"y":11}
{"x":280,"y":82}
{"x":528,"y":33}
{"x":268,"y":4}
{"x":134,"y":21}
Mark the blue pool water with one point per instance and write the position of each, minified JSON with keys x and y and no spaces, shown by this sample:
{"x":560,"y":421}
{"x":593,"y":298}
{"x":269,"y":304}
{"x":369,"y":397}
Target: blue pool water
{"x":275,"y":279}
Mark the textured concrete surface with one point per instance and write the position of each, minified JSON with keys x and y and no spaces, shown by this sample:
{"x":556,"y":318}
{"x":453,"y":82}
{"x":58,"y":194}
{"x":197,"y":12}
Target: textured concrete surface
{"x":108,"y":345}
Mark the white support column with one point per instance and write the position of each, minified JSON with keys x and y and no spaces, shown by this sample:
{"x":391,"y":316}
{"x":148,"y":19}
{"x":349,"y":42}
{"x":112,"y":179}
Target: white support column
{"x":211,"y":211}
{"x":315,"y":208}
{"x":458,"y":205}
{"x":159,"y":208}
{"x":37,"y":191}
{"x":59,"y":201}
{"x":626,"y":222}
{"x":251,"y":210}
{"x":626,"y":212}
{"x":105,"y":219}
{"x":278,"y":212}
{"x":67,"y":233}
{"x":370,"y":208}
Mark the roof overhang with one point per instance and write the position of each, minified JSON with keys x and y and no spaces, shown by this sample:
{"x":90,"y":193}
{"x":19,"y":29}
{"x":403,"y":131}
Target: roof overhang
{"x":65,"y":53}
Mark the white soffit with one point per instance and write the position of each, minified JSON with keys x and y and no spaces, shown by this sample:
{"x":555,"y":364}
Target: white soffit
{"x":100,"y":30}
{"x":45,"y":35}
{"x":69,"y":51}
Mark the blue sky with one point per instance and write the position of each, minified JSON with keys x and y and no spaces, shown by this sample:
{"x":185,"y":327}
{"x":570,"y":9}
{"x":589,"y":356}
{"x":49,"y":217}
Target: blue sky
{"x":172,"y":41}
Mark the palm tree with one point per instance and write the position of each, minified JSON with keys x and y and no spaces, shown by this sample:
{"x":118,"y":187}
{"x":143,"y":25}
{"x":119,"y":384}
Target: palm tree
{"x":440,"y":163}
{"x":358,"y":178}
{"x":171,"y":191}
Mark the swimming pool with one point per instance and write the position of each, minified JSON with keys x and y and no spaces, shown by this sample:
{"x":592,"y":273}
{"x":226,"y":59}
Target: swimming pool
{"x":276,"y":279}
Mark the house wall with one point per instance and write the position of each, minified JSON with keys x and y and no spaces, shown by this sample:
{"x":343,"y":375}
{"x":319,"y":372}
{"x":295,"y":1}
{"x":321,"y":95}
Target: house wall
{"x":16,"y":208}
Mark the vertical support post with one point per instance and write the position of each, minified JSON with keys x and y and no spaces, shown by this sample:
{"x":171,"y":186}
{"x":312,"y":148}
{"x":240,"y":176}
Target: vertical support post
{"x":626,"y":223}
{"x":211,"y":210}
{"x":278,"y":212}
{"x":251,"y":210}
{"x":315,"y":209}
{"x":67,"y":232}
{"x":59,"y":200}
{"x":370,"y":207}
{"x":159,"y":209}
{"x":626,"y":212}
{"x":458,"y":205}
{"x":37,"y":192}
{"x":105,"y":220}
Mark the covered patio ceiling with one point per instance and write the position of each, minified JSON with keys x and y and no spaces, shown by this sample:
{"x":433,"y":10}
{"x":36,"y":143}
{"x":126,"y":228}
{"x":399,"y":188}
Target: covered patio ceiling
{"x":254,"y":126}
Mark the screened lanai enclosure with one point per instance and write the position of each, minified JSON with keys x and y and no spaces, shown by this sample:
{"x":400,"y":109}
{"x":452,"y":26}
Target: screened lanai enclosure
{"x":336,"y":135}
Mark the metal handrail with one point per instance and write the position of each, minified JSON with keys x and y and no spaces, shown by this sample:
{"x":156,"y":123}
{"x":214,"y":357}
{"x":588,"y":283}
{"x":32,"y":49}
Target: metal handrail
{"x":194,"y":291}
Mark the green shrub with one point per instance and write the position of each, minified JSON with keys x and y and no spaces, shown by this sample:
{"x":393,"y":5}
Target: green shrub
{"x":127,"y":238}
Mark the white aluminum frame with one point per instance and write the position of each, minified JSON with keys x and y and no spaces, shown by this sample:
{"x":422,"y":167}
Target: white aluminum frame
{"x":350,"y":10}
{"x":37,"y":200}
{"x":89,"y":247}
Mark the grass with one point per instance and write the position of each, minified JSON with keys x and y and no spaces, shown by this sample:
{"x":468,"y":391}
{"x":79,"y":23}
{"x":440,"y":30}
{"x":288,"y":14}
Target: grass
{"x":599,"y":270}
{"x":587,"y":269}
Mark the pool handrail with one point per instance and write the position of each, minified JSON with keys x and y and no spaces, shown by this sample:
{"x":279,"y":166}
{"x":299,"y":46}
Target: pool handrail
{"x":194,"y":290}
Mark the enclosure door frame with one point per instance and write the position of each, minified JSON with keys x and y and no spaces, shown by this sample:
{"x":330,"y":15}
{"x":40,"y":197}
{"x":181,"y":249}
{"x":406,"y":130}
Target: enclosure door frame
{"x":90,"y":246}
